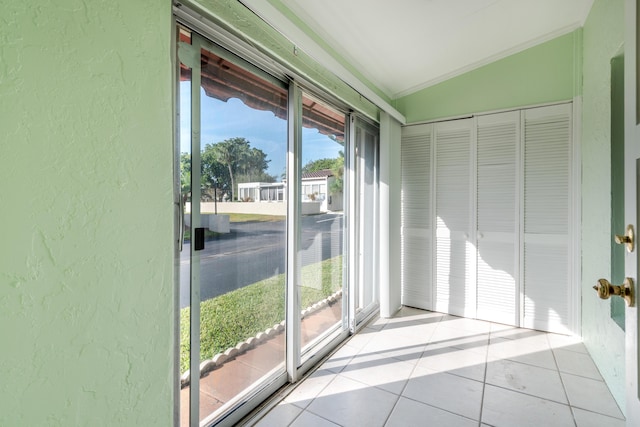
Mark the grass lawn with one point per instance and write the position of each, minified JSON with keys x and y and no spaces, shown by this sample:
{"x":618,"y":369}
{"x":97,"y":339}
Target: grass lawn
{"x":241,"y":314}
{"x":240,"y":217}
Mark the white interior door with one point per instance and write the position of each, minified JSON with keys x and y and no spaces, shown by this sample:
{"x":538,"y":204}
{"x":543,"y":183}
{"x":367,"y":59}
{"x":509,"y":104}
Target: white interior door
{"x":498,"y":142}
{"x":632,"y":175}
{"x":416,"y":216}
{"x":546,"y":221}
{"x":455,"y":252}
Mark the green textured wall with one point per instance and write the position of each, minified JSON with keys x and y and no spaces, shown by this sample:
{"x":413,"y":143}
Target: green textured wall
{"x":603,"y":37}
{"x":86,"y":286}
{"x":548,"y":72}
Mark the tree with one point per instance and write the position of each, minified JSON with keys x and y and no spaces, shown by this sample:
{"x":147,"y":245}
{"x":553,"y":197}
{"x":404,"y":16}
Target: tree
{"x":318,"y":165}
{"x":185,"y":173}
{"x":224,"y":163}
{"x":214,"y":174}
{"x":227,"y":152}
{"x":338,"y":172}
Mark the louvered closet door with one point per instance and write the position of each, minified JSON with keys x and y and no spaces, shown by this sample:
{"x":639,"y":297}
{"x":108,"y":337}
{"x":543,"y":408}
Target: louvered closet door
{"x":455,"y":255}
{"x":498,"y":138}
{"x":416,"y":216}
{"x":547,"y":195}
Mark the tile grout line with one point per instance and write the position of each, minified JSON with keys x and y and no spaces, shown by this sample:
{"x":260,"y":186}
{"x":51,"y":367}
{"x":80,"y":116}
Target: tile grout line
{"x":599,"y":379}
{"x":600,"y":414}
{"x":337,"y":374}
{"x":407,"y":383}
{"x":564,"y":388}
{"x":426,"y":341}
{"x":557,"y":370}
{"x":410,"y":375}
{"x":305,"y":377}
{"x":486,"y":368}
{"x":394,"y":406}
{"x":440,"y":409}
{"x":535,"y":396}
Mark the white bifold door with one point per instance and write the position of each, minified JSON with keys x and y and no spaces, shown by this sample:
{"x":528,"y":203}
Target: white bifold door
{"x":497,"y":217}
{"x":455,"y":261}
{"x":486,"y":217}
{"x":548,"y":300}
{"x":417,"y":229}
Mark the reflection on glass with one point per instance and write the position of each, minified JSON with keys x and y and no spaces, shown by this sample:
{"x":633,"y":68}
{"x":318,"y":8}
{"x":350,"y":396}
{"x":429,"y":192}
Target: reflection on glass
{"x":243,"y":212}
{"x":322,"y":226}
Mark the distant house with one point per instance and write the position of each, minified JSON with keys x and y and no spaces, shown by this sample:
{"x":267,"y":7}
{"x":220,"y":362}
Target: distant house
{"x":315,"y":188}
{"x":262,"y":192}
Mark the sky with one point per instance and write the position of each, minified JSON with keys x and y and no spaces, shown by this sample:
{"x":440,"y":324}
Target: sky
{"x":222,"y":120}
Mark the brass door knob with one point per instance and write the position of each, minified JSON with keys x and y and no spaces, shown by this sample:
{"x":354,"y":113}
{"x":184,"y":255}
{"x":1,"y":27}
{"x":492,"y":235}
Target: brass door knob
{"x":627,"y":239}
{"x":605,"y":289}
{"x":621,"y":240}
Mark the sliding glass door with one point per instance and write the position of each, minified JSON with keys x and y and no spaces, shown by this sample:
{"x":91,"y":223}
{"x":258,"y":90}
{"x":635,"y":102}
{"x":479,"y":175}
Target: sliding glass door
{"x":365,"y":201}
{"x":322,"y":222}
{"x":270,"y":279}
{"x":233,"y":150}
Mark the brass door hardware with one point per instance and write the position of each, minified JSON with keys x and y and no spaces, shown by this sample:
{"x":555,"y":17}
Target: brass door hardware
{"x":626,"y":291}
{"x":626,"y":239}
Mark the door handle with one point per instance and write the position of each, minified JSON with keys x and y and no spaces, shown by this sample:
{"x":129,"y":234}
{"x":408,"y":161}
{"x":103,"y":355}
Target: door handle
{"x":626,"y":239}
{"x":181,"y":220}
{"x":198,"y":239}
{"x":605,"y":289}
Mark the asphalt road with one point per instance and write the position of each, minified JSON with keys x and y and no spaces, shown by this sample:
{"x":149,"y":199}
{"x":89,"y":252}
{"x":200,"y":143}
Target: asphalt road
{"x":255,"y":251}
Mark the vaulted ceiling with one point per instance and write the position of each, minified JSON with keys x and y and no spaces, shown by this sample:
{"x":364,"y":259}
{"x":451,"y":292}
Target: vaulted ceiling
{"x":405,"y":45}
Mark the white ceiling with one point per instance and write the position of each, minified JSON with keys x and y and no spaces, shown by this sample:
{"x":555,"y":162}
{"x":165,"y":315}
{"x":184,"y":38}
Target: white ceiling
{"x":405,"y":45}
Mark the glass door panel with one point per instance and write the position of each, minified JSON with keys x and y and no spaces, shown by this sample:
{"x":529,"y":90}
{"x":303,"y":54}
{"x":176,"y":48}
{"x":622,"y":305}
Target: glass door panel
{"x":322,"y":222}
{"x":366,"y":188}
{"x":237,"y":230}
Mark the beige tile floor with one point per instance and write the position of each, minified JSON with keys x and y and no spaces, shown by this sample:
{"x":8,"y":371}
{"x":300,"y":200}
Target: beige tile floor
{"x":428,"y":369}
